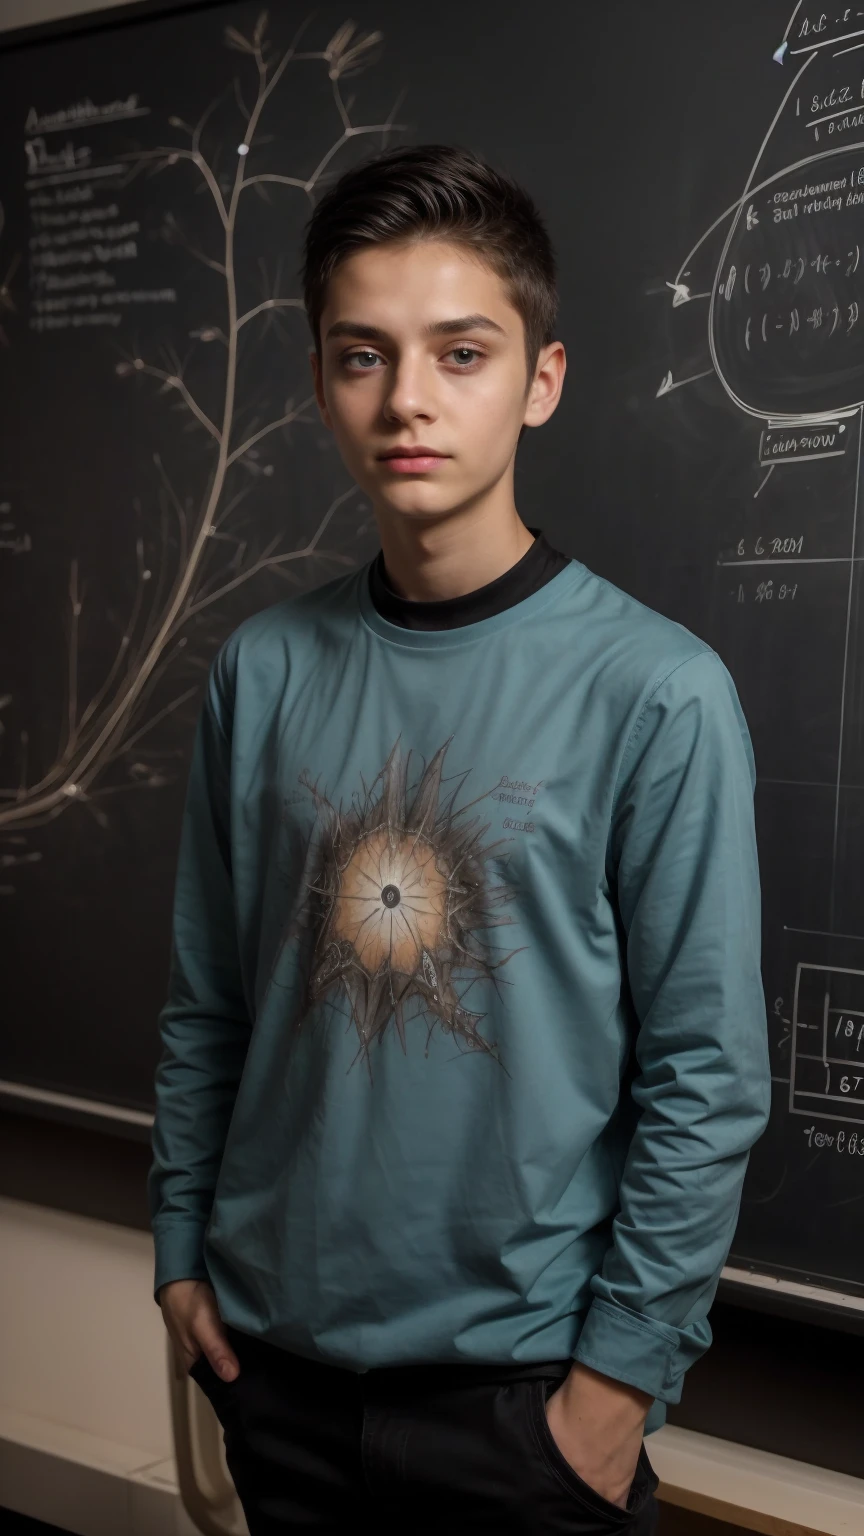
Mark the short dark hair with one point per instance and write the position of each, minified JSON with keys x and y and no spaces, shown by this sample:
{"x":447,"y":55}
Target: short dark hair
{"x":437,"y":192}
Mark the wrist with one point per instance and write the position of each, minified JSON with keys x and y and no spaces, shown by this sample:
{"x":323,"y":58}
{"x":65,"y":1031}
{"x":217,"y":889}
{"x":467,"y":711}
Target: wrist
{"x":605,"y":1396}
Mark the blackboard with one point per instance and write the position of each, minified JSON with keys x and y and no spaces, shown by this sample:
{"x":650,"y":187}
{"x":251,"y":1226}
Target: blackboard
{"x":702,"y":174}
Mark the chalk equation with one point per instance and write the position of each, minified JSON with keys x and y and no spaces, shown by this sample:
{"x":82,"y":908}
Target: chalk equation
{"x":773,"y":293}
{"x":784,"y":294}
{"x":827,"y":1061}
{"x":12,"y":540}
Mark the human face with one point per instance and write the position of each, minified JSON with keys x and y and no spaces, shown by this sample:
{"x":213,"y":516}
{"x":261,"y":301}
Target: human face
{"x":397,"y":369}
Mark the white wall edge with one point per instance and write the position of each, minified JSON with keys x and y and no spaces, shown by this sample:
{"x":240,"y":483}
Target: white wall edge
{"x":737,"y":1482}
{"x":823,"y":1295}
{"x":87,"y":1485}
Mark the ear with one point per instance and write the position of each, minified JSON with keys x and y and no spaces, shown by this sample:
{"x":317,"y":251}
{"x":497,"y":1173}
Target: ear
{"x":547,"y":384}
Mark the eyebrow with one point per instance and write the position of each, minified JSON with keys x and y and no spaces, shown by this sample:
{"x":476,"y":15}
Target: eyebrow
{"x":437,"y":328}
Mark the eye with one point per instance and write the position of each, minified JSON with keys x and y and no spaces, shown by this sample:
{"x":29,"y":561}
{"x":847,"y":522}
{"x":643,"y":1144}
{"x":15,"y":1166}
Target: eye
{"x":473,"y":352}
{"x":350,"y":357}
{"x":474,"y":356}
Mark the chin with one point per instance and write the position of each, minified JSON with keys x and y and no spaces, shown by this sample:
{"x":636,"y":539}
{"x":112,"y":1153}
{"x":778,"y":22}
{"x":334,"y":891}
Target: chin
{"x":418,"y":514}
{"x":430,"y":502}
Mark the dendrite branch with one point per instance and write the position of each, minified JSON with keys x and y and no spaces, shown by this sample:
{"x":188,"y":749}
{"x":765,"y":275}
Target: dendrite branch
{"x":169,"y":154}
{"x":266,"y":563}
{"x":286,"y":181}
{"x":271,"y":426}
{"x":173,"y":381}
{"x":169,"y":709}
{"x":269,"y":304}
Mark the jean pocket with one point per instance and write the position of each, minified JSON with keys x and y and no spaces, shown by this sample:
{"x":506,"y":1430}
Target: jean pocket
{"x":204,"y":1376}
{"x":197,"y":1366}
{"x":645,"y":1470}
{"x":557,"y":1463}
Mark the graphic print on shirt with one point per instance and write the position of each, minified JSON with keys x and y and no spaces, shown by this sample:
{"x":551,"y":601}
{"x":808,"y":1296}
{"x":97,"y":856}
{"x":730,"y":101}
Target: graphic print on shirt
{"x":397,"y":902}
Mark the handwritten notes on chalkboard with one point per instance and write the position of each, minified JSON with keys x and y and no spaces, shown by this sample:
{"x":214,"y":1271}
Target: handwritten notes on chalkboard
{"x":85,"y":265}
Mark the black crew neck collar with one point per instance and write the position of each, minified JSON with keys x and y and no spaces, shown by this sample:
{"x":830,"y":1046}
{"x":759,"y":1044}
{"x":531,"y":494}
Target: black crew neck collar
{"x":539,"y":564}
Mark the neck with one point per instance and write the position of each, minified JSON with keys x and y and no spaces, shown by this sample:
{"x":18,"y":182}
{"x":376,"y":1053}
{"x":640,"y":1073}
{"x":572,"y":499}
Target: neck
{"x":431,"y":563}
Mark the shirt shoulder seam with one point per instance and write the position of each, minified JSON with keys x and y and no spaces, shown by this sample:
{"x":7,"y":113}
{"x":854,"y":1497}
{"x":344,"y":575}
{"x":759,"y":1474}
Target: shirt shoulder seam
{"x":654,"y":689}
{"x":658,"y":683}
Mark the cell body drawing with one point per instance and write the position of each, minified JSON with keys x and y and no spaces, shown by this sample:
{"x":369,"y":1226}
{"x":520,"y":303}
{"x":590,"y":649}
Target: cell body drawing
{"x":398,"y":905}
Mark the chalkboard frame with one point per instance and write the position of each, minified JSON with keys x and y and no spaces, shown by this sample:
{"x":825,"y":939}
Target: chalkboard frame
{"x":91,"y":21}
{"x":755,"y":1288}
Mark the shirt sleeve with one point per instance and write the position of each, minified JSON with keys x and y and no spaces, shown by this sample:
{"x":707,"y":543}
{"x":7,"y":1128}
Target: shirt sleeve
{"x":204,"y":1025}
{"x":683,"y":864}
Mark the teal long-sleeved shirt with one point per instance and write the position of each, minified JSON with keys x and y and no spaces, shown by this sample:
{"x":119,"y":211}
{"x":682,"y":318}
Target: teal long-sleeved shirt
{"x":465,"y":1042}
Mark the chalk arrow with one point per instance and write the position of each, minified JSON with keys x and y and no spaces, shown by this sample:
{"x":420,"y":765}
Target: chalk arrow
{"x":669,"y":383}
{"x":683,"y":295}
{"x":779,"y":54}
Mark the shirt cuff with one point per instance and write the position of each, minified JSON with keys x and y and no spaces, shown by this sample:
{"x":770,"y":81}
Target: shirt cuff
{"x":630,"y":1347}
{"x":179,"y":1254}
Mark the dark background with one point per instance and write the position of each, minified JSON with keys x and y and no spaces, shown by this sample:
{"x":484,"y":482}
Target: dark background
{"x":633,"y":126}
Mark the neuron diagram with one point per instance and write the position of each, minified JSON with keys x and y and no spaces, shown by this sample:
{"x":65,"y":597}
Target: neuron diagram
{"x":204,"y":544}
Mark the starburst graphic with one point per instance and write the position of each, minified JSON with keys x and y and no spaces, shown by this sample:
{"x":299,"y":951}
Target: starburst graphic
{"x":399,"y":902}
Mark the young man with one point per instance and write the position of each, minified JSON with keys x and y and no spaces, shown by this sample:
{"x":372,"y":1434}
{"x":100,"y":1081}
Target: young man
{"x":465,"y":1047}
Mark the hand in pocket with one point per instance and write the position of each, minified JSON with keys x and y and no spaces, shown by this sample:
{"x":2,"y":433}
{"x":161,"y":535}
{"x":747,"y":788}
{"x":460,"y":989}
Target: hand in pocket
{"x":192,"y":1319}
{"x":597,"y":1427}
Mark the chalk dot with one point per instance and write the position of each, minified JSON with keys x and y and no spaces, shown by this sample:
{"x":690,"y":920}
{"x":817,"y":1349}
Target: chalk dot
{"x":242,"y":149}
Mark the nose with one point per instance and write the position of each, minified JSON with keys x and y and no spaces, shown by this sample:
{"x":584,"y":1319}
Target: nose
{"x":411,"y":391}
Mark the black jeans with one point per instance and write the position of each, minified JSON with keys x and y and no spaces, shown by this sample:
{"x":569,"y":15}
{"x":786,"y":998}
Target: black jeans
{"x":442,"y":1450}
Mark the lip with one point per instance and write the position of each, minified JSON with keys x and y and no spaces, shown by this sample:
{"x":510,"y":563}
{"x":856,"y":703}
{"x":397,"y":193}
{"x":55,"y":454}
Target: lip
{"x":416,"y":461}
